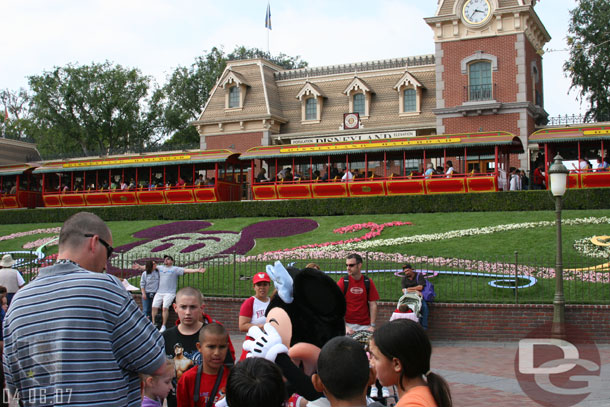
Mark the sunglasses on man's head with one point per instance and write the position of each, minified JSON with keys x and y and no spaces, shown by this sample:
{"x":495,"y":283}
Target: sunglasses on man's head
{"x":109,"y":249}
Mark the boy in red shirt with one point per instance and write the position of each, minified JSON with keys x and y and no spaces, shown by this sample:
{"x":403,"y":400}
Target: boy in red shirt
{"x":209,"y":379}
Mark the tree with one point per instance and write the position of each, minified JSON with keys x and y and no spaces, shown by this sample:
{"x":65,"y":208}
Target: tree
{"x":589,"y":62}
{"x":97,"y":108}
{"x":180,"y":101}
{"x":17,"y":105}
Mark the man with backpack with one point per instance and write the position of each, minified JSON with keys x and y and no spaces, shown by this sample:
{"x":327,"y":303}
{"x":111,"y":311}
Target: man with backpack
{"x":415,"y":282}
{"x":360,"y":297}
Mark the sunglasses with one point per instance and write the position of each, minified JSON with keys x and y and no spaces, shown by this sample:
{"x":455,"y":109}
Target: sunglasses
{"x":109,"y":249}
{"x":351,"y":265}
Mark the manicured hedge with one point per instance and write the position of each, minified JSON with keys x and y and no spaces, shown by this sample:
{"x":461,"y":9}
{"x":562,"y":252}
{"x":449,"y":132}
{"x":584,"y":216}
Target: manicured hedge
{"x":497,"y":201}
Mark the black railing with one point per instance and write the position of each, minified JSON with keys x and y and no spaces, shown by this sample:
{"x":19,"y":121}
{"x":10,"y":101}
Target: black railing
{"x":480,"y":92}
{"x":568,"y":119}
{"x":503,"y":279}
{"x":357,"y":67}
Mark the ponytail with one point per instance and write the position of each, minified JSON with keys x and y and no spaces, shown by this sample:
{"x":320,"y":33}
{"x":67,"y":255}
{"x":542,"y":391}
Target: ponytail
{"x":439,"y":389}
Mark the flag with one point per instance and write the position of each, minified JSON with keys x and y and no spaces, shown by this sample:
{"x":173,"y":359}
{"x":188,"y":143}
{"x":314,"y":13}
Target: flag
{"x":268,"y":17}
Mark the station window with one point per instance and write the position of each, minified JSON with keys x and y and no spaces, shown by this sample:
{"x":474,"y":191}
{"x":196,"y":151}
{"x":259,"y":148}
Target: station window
{"x":359,"y":104}
{"x":234,"y":97}
{"x":410,"y":100}
{"x":311,"y":109}
{"x":479,"y":77}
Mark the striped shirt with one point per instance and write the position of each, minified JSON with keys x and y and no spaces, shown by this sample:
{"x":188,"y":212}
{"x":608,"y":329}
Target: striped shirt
{"x":74,"y":337}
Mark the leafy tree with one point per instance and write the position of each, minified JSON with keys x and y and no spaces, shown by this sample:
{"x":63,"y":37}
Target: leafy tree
{"x":188,"y":88}
{"x":17,"y":105}
{"x":94,"y":108}
{"x":589,"y":62}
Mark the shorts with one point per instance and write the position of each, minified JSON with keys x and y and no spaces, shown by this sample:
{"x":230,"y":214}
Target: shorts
{"x":165,"y":299}
{"x":357,"y":327}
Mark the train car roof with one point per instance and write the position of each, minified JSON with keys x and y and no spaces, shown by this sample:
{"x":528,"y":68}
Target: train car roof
{"x":16,"y":169}
{"x":460,"y":140}
{"x":138,"y":160}
{"x":570,"y":134}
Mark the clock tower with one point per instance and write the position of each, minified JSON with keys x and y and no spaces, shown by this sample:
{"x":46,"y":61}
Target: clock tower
{"x":489,"y":67}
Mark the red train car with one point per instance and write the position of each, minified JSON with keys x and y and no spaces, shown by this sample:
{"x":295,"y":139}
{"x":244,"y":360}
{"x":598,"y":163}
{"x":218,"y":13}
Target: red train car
{"x":19,"y":188}
{"x":146,"y":179}
{"x":584,"y":148}
{"x":382,"y":167}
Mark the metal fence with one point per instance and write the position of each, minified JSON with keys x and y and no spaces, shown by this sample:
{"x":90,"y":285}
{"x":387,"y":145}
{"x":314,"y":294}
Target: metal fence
{"x":511,"y":279}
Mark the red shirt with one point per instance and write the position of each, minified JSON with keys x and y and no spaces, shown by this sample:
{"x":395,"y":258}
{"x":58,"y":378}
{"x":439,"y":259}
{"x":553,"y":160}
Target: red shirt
{"x":357,"y":310}
{"x":186,"y":387}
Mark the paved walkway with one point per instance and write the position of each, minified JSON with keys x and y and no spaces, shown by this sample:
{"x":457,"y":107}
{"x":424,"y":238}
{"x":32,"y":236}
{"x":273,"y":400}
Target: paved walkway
{"x":482,"y":374}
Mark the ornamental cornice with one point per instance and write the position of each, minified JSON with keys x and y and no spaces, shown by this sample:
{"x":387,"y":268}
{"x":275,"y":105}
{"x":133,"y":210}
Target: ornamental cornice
{"x":233,"y":77}
{"x":309,"y":89}
{"x":357,"y":84}
{"x":505,"y":21}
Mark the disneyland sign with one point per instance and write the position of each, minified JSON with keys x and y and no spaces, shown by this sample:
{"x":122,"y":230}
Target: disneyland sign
{"x":355,"y":137}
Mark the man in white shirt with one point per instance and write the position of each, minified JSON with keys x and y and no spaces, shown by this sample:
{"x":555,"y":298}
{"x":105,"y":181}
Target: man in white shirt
{"x":9,"y":277}
{"x":348,"y":176}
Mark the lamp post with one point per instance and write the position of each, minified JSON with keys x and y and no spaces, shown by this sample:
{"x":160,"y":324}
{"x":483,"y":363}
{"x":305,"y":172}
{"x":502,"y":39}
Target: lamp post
{"x":559,"y":176}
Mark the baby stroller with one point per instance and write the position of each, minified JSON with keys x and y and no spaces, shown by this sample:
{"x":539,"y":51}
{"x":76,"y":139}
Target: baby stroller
{"x":413,"y":301}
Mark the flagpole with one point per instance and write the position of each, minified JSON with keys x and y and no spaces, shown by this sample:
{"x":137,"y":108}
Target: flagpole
{"x":268,"y":26}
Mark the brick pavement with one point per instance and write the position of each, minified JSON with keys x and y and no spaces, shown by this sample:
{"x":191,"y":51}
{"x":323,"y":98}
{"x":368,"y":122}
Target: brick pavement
{"x":481,"y":374}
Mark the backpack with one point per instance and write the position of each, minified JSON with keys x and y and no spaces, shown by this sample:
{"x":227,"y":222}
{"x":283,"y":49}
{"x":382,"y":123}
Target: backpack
{"x":367,"y":285}
{"x":428,"y":292}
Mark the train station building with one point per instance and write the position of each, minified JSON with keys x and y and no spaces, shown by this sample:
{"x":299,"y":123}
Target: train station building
{"x":485,"y":75}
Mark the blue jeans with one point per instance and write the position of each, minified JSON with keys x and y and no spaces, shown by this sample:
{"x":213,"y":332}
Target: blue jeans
{"x":423,"y":320}
{"x":147,"y":304}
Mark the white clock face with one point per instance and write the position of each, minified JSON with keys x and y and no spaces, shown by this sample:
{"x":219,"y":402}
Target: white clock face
{"x":351,"y":121}
{"x":476,"y":11}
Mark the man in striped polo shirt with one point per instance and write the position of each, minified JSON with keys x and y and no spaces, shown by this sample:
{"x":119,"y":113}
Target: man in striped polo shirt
{"x":74,"y":336}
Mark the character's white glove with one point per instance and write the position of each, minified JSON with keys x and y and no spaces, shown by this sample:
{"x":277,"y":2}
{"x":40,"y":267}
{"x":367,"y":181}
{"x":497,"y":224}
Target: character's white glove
{"x":281,"y":280}
{"x":221,"y":403}
{"x":266,"y":344}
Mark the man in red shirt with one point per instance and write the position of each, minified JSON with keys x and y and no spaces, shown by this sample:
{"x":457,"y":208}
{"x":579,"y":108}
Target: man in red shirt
{"x":360,"y":297}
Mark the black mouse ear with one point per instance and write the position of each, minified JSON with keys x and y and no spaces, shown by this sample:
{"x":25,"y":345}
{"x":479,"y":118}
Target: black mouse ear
{"x":320,"y":305}
{"x":319,"y":293}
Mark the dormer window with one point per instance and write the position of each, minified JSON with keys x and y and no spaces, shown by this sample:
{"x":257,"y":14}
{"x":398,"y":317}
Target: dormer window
{"x":311,"y":108}
{"x":409,"y":100}
{"x":234,"y":99}
{"x":312,"y":100}
{"x":409,"y":95}
{"x":359,"y":93}
{"x":235,"y":90}
{"x":359,"y":104}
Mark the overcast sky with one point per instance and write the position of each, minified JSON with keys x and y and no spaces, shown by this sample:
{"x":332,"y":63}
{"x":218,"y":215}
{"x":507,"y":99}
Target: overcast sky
{"x":156,"y":36}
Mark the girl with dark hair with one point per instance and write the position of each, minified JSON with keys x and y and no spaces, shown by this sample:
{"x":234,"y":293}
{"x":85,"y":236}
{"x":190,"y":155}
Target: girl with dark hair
{"x":401,"y":354}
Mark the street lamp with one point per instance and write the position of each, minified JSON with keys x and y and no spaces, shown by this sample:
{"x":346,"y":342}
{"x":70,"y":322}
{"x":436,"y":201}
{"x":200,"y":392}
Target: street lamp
{"x":559,"y":177}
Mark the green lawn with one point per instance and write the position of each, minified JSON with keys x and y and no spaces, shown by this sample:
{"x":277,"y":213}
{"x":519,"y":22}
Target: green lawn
{"x":533,"y":247}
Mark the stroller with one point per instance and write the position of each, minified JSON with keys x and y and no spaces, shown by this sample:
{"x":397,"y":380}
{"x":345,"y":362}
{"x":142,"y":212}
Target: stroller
{"x":413,"y":302}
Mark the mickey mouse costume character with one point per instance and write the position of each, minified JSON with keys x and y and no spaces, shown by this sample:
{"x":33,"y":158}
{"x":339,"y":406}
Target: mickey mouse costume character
{"x":307,"y":312}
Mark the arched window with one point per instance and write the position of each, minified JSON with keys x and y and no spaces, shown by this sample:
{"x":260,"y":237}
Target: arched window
{"x":479,"y":75}
{"x":234,"y":97}
{"x":410,"y":100}
{"x":359,"y":104}
{"x":311,"y":109}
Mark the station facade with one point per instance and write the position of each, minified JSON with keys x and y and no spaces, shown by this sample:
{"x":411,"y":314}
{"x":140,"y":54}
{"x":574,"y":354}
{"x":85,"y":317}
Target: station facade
{"x":485,"y":75}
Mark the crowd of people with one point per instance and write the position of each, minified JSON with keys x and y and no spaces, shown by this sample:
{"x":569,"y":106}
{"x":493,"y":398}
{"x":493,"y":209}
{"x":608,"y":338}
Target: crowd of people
{"x":332,"y":173}
{"x":117,"y":185}
{"x":75,"y":336}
